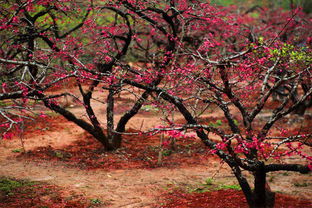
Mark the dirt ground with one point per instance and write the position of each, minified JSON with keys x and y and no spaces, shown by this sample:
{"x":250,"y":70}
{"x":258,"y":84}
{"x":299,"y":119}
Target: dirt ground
{"x":116,"y":188}
{"x":123,"y":186}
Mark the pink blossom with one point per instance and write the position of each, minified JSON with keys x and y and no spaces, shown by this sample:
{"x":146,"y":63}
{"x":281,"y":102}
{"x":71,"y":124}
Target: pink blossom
{"x":221,"y":146}
{"x":42,"y":115}
{"x":8,"y":135}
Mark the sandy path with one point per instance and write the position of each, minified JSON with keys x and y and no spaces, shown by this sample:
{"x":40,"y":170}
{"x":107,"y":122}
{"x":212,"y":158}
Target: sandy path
{"x":138,"y":187}
{"x":118,"y":188}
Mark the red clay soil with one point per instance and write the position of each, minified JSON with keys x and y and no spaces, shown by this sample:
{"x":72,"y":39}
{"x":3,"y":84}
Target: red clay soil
{"x":40,"y":195}
{"x":44,"y":195}
{"x":41,"y":124}
{"x":228,"y":198}
{"x":137,"y":151}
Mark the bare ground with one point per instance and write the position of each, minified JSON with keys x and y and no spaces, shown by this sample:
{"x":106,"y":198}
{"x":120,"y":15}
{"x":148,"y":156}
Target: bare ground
{"x":125,"y":188}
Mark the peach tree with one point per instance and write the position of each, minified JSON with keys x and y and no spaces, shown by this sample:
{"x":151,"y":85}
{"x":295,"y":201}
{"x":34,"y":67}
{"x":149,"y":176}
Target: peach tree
{"x":237,"y":64}
{"x":49,"y":43}
{"x":252,"y":67}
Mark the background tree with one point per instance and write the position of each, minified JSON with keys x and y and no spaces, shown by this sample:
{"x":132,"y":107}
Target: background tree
{"x":55,"y":41}
{"x":196,"y":57}
{"x":237,"y":68}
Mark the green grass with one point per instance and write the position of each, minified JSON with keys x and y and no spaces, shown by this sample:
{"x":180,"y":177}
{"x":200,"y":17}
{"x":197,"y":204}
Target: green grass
{"x":211,"y":185}
{"x":166,"y":153}
{"x":303,"y":184}
{"x":17,"y":150}
{"x":95,"y":201}
{"x":150,"y":108}
{"x":7,"y":186}
{"x":235,"y":187}
{"x":217,"y":124}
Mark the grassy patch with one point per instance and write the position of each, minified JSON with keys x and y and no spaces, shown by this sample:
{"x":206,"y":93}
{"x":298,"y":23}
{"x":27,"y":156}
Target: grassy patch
{"x":303,"y":184}
{"x":235,"y":187}
{"x":22,"y":193}
{"x":8,"y":186}
{"x":17,"y":150}
{"x":95,"y":201}
{"x":149,"y":108}
{"x":211,"y":185}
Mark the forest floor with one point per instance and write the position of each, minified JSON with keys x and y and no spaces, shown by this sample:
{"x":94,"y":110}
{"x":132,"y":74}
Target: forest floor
{"x":67,"y":168}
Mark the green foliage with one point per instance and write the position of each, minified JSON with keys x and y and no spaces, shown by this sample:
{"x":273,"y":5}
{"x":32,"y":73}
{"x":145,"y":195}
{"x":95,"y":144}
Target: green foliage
{"x":211,"y":185}
{"x":305,"y":4}
{"x":208,"y":185}
{"x":236,"y":122}
{"x":235,"y":187}
{"x":254,"y":14}
{"x":224,"y":2}
{"x":150,"y":108}
{"x":58,"y":154}
{"x":62,"y":155}
{"x":294,"y":55}
{"x":209,"y":181}
{"x":7,"y":186}
{"x":201,"y":189}
{"x":17,"y":150}
{"x":95,"y":201}
{"x":261,"y":40}
{"x":42,"y":21}
{"x":216,"y":124}
{"x":166,"y":152}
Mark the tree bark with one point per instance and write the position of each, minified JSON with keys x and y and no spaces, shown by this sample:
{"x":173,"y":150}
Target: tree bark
{"x":114,"y":141}
{"x":301,"y":109}
{"x":263,"y":197}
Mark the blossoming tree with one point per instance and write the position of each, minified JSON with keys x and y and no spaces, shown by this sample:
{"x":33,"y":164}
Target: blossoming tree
{"x":50,"y":42}
{"x":197,"y":57}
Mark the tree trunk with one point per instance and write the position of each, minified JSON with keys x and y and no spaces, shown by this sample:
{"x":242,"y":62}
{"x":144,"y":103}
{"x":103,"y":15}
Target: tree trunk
{"x":243,"y":184}
{"x":114,"y":140}
{"x":263,"y":197}
{"x":301,"y":109}
{"x":133,"y":111}
{"x":121,"y":126}
{"x":96,"y":131}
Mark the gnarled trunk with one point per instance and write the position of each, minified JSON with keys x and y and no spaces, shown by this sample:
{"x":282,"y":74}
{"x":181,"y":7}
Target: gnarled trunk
{"x":112,"y":139}
{"x":262,"y":195}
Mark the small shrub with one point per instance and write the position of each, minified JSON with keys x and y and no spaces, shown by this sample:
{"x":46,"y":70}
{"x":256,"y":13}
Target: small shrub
{"x":7,"y":186}
{"x":95,"y":201}
{"x":17,"y":150}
